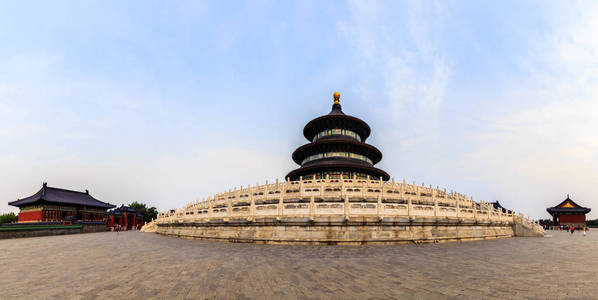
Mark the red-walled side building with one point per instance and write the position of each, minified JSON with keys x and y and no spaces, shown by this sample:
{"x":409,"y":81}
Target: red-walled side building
{"x":569,"y":213}
{"x":127,"y":217}
{"x":52,"y":204}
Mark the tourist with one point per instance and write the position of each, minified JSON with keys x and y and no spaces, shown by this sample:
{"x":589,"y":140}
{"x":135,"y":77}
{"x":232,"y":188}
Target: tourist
{"x":584,"y":231}
{"x":572,"y":229}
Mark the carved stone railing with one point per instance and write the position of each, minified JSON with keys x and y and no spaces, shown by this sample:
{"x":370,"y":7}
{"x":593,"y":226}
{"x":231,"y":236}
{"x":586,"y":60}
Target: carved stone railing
{"x":347,"y":198}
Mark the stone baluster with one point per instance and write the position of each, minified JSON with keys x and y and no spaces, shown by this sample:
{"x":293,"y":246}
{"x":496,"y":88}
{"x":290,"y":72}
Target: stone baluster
{"x":200,"y":206}
{"x":301,"y":187}
{"x":237,"y":193}
{"x":283,"y":192}
{"x":343,"y":192}
{"x":445,"y":196}
{"x":266,"y":190}
{"x":435,"y":202}
{"x":431,"y":190}
{"x":414,"y":187}
{"x":346,"y":204}
{"x":210,"y":210}
{"x":312,"y":208}
{"x":379,"y":207}
{"x":409,"y":207}
{"x":229,"y":209}
{"x":251,"y":206}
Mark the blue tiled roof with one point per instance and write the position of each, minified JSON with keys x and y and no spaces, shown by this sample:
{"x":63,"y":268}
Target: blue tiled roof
{"x":62,"y":196}
{"x":124,"y":209}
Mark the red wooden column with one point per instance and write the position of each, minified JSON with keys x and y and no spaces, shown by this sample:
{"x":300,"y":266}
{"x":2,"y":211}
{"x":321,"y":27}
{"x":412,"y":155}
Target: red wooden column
{"x":134,"y":221}
{"x":125,"y":221}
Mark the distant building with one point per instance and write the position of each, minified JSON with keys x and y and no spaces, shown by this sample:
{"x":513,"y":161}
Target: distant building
{"x":52,"y":204}
{"x":125,"y":216}
{"x":497,"y":205}
{"x":568,"y":213}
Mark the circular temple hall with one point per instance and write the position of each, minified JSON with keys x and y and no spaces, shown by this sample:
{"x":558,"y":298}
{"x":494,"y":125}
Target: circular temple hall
{"x":337,"y":148}
{"x":338,"y":196}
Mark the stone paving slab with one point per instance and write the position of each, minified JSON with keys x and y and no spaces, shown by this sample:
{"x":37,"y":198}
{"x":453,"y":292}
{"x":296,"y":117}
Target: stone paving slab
{"x":145,"y":265}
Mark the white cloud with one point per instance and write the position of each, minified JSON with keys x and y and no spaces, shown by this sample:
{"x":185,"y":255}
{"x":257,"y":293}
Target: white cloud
{"x":403,"y":77}
{"x":400,"y":56}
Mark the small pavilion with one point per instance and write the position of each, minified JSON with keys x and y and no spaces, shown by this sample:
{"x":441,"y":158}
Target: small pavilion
{"x":569,"y":213}
{"x":127,"y":217}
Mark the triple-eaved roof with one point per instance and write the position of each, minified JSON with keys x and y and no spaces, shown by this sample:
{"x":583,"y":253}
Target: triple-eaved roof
{"x":61,"y":196}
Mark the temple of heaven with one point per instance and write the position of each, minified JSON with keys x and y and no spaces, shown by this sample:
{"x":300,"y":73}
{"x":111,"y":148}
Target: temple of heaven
{"x":338,"y":196}
{"x":337,"y":148}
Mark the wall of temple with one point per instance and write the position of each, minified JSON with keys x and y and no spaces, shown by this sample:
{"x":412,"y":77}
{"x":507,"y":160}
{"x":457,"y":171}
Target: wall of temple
{"x":351,"y":233}
{"x":565,"y":219}
{"x":30,"y":216}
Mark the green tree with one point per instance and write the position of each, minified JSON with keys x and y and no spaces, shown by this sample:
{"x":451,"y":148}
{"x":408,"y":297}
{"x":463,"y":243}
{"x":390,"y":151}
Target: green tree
{"x":8,"y":218}
{"x":148,"y":213}
{"x":592,"y":223}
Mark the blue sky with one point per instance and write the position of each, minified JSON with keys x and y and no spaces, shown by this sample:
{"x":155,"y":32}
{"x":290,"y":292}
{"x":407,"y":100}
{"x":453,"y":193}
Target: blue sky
{"x":168,"y":102}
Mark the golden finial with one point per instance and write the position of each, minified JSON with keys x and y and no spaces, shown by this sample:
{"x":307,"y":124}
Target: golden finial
{"x":337,"y":97}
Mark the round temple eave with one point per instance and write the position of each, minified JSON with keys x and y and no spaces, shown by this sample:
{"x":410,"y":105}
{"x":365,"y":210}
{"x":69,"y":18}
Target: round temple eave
{"x":336,"y":121}
{"x":337,"y":144}
{"x":336,"y":165}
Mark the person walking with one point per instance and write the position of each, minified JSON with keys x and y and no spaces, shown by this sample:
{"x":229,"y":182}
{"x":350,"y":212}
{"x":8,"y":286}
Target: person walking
{"x":584,"y":231}
{"x":572,"y":229}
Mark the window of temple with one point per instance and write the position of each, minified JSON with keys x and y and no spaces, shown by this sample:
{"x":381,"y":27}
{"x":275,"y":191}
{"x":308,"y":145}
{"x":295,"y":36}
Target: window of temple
{"x":337,"y":154}
{"x":334,"y":175}
{"x":332,"y":132}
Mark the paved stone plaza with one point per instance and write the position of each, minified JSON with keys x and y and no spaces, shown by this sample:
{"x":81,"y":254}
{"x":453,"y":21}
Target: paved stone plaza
{"x":139,"y":265}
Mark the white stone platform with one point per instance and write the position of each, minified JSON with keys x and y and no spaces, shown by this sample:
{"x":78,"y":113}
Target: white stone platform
{"x":347,"y":211}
